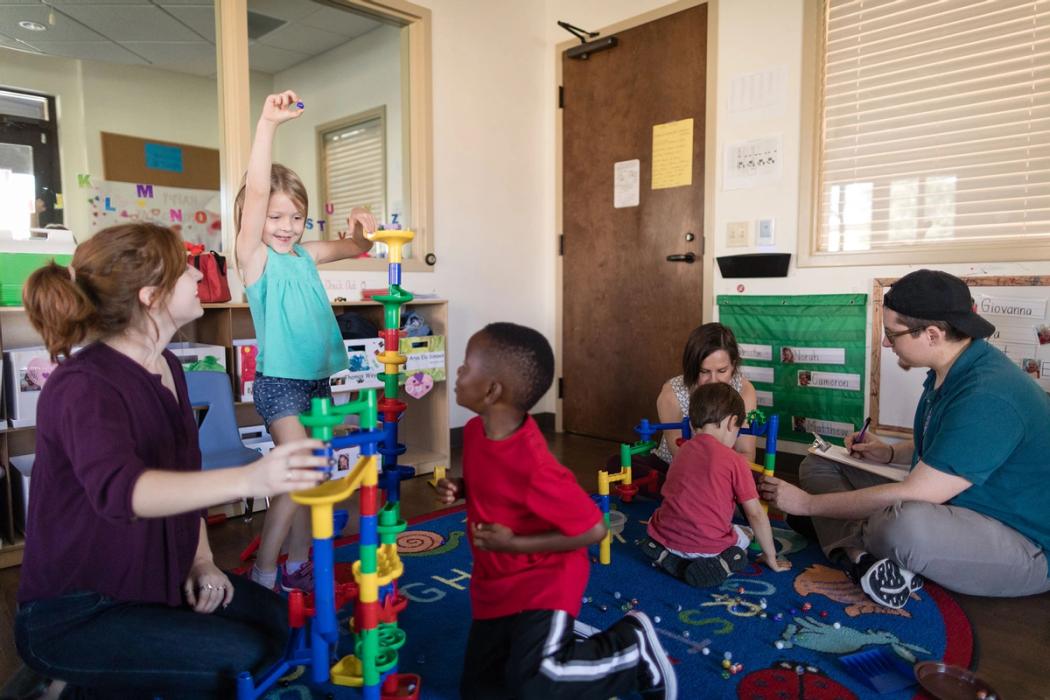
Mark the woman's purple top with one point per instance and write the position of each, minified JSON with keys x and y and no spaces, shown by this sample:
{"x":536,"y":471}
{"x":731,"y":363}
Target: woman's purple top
{"x":102,"y":420}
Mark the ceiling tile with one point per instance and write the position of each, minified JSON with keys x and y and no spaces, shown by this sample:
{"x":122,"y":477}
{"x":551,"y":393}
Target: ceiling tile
{"x":200,"y":18}
{"x":270,"y":59}
{"x":74,"y":3}
{"x":131,"y":22}
{"x":284,"y":9}
{"x":96,"y":26}
{"x":12,"y":43}
{"x":64,"y":28}
{"x":302,"y":39}
{"x":349,"y":24}
{"x":193,"y":57}
{"x":89,"y":50}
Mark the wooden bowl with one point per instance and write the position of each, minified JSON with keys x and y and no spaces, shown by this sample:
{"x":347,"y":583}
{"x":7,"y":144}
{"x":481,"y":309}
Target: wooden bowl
{"x":946,"y":682}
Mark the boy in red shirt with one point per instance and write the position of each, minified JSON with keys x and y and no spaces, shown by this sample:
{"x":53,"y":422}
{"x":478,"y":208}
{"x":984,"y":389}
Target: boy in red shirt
{"x":691,"y":534}
{"x":529,"y":524}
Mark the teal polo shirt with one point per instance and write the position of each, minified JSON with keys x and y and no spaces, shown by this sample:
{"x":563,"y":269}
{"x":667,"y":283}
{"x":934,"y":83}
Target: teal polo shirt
{"x":990,"y":424}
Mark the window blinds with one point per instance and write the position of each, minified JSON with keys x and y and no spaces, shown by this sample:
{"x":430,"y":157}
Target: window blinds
{"x":354,"y":171}
{"x":936,"y":123}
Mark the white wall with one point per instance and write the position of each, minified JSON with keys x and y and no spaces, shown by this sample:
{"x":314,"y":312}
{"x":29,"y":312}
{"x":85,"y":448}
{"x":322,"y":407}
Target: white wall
{"x":492,"y":154}
{"x":755,"y":35}
{"x":358,"y":76}
{"x":759,"y":34}
{"x":147,"y":103}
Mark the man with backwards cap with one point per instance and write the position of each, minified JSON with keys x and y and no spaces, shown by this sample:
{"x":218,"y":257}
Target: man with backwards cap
{"x":972,"y":513}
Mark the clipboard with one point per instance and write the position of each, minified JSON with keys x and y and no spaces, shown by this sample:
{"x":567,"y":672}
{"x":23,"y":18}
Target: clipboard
{"x":839,"y":454}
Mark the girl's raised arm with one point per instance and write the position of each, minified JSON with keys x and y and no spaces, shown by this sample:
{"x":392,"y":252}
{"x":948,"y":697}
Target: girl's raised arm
{"x":251,"y":251}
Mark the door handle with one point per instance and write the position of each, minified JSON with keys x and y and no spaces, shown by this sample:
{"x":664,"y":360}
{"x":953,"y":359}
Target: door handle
{"x":682,"y":257}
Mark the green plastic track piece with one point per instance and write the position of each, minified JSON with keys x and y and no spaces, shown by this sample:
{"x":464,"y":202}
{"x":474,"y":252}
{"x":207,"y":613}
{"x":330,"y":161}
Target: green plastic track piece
{"x":391,"y":636}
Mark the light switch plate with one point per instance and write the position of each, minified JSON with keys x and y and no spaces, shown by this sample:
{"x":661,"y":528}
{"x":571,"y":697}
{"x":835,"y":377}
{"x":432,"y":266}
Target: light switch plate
{"x":765,"y":232}
{"x":737,"y":234}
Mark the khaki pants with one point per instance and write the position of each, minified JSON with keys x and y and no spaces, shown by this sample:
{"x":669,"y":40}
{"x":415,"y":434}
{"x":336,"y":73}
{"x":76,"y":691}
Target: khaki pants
{"x":958,"y":548}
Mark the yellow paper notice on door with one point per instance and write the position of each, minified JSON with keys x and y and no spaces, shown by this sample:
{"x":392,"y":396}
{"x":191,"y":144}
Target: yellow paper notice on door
{"x":673,"y":154}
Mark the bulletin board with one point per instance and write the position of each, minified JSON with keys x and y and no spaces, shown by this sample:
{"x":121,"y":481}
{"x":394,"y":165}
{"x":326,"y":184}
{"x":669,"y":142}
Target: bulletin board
{"x":194,"y":214}
{"x":147,"y":161}
{"x":1018,"y":307}
{"x":805,"y":355}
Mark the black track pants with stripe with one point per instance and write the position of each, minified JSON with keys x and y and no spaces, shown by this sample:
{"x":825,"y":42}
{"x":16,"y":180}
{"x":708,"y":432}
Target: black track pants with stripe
{"x":535,"y":654}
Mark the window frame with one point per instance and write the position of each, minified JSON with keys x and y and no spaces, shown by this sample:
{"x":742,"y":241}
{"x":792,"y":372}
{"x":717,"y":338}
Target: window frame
{"x":811,"y":140}
{"x":52,"y":153}
{"x":321,"y":130}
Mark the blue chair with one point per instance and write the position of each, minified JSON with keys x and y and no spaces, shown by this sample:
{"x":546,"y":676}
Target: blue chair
{"x":220,"y":440}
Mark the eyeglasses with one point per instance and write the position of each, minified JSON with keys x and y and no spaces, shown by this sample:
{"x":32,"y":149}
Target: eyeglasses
{"x":891,"y":336}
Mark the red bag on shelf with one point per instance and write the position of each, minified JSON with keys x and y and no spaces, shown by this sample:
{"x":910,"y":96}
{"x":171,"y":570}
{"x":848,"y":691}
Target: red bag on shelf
{"x":213,"y":287}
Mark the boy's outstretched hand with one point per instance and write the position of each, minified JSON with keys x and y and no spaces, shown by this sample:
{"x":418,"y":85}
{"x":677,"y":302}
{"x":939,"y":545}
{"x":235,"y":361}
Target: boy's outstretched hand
{"x":276,"y":108}
{"x":493,"y":537}
{"x":449,"y":490}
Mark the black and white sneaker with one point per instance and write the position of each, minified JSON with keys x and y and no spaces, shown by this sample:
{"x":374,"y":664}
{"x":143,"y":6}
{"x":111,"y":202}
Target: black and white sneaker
{"x":889,"y":585}
{"x":704,"y":572}
{"x":654,"y":659}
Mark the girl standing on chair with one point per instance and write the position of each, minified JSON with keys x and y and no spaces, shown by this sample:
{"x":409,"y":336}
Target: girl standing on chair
{"x":300,"y":346}
{"x":118,"y":590}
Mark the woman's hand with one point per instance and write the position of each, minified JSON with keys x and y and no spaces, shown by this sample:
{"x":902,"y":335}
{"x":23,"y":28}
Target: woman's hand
{"x":207,"y":587}
{"x":870,"y":447}
{"x":288,"y":467}
{"x":362,"y":227}
{"x":276,"y":108}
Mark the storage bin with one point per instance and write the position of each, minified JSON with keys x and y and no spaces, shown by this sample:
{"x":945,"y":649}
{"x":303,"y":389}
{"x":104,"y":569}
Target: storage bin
{"x":19,"y":257}
{"x":25,"y":372}
{"x":15,"y":269}
{"x":191,"y":353}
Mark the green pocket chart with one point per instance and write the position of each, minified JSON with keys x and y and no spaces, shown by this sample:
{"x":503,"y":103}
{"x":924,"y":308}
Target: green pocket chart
{"x":805,"y":355}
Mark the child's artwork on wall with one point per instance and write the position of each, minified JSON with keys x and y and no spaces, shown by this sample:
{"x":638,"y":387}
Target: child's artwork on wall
{"x":195,"y":214}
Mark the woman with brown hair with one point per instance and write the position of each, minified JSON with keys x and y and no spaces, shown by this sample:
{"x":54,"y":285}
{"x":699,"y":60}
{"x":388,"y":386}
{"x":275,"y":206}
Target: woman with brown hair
{"x":711,"y":355}
{"x":119,"y":593}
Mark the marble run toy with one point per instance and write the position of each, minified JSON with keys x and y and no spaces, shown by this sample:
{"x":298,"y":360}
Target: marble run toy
{"x":757,"y":426}
{"x":629,"y":486}
{"x":374,"y":595}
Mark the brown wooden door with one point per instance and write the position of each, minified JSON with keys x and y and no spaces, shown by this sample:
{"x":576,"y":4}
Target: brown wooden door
{"x":626,"y":309}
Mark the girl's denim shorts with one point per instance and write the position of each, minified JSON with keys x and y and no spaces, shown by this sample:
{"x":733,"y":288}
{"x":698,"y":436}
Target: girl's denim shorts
{"x":277,"y":397}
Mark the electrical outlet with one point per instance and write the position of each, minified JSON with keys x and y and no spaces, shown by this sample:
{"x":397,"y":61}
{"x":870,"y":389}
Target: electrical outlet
{"x":737,"y":234}
{"x":765,"y":232}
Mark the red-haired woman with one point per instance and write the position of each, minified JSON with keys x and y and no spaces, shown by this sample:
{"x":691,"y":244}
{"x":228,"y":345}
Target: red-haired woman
{"x":119,"y":594}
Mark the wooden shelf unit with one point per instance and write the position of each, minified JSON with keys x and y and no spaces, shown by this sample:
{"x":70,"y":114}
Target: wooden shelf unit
{"x":424,"y":427}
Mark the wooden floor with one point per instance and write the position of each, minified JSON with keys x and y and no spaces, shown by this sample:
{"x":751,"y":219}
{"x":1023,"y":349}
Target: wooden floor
{"x":1012,"y":635}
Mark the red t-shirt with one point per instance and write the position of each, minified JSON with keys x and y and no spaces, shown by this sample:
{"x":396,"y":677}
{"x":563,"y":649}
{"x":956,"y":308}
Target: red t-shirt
{"x":517,"y":482}
{"x":705,"y":482}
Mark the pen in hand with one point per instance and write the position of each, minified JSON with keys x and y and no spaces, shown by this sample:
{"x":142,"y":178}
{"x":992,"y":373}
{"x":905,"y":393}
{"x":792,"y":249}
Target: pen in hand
{"x":860,"y":435}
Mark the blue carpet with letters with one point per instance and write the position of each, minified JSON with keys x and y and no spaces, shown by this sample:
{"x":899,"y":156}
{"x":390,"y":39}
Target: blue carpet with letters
{"x":817,"y":636}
